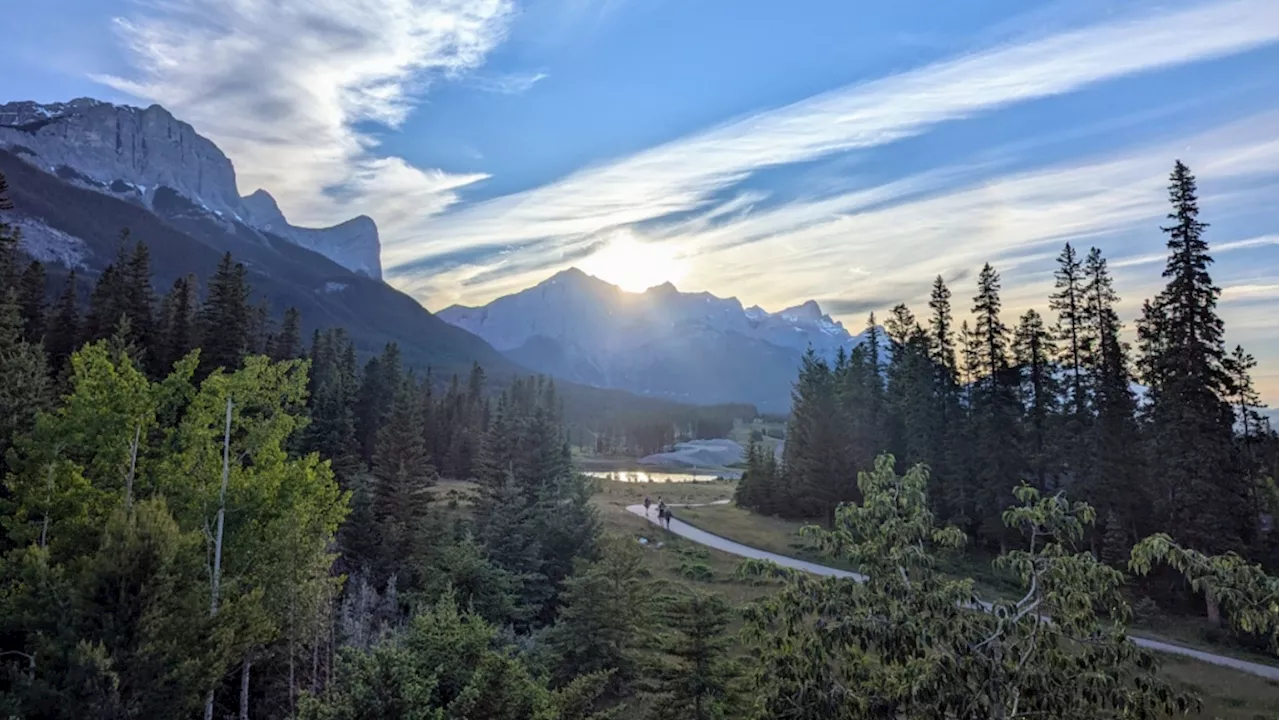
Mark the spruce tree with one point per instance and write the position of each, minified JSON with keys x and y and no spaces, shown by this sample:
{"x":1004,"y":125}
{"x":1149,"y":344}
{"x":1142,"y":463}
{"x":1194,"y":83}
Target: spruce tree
{"x":31,"y":302}
{"x":225,"y":319}
{"x":1113,"y":479}
{"x":1034,"y":351}
{"x":700,"y":682}
{"x":402,"y":473}
{"x":288,"y":342}
{"x":139,"y":299}
{"x":178,"y":321}
{"x":995,"y":409}
{"x":63,"y":334}
{"x":1068,"y":300}
{"x":1203,"y":493}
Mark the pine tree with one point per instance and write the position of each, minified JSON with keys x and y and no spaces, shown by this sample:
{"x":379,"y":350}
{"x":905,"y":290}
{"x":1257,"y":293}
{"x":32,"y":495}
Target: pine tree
{"x":288,"y":343}
{"x":1034,"y":350}
{"x":1112,"y":479}
{"x":31,"y":302}
{"x":602,"y":623}
{"x":1068,"y":300}
{"x":106,"y":304}
{"x":1202,"y":495}
{"x":225,"y":320}
{"x":63,"y":334}
{"x":139,"y":299}
{"x":699,"y":685}
{"x":995,"y":408}
{"x":402,"y":473}
{"x":178,"y":320}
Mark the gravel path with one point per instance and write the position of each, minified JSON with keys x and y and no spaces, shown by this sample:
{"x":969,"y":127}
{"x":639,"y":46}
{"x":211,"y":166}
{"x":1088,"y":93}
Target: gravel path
{"x":703,"y":537}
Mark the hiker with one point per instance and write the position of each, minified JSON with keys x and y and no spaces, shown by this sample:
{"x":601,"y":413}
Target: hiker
{"x":646,"y":505}
{"x":667,"y":518}
{"x":662,"y":508}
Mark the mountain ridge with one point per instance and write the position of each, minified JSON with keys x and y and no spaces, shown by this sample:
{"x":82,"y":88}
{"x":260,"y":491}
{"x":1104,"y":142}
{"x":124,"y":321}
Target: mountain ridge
{"x":131,"y":153}
{"x":690,"y":346}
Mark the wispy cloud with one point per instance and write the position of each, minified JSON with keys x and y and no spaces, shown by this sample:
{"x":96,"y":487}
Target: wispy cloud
{"x":507,"y":83}
{"x":282,"y":85}
{"x":687,"y":174}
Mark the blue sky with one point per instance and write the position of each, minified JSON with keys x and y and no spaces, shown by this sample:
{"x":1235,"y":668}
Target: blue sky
{"x":847,"y":152}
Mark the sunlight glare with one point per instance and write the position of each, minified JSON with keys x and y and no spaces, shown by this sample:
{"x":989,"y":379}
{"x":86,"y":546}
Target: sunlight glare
{"x":633,"y":265}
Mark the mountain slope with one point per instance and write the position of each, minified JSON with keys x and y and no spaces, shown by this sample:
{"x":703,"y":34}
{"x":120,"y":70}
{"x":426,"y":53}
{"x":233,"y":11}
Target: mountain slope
{"x":66,"y":224}
{"x":135,"y":154}
{"x":693,"y":347}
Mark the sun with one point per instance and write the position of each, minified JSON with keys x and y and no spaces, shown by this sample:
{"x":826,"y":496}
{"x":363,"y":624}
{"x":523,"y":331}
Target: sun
{"x":634,"y":265}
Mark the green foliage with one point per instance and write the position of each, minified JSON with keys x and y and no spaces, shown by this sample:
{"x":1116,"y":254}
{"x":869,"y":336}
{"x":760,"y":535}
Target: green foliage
{"x":908,"y":642}
{"x":447,"y":664}
{"x":604,"y":615}
{"x":699,"y":681}
{"x":1244,"y":591}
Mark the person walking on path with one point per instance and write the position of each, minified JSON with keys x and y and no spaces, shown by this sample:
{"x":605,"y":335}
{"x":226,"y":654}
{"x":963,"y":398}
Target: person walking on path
{"x":662,"y":509}
{"x":667,"y":518}
{"x":646,"y":505}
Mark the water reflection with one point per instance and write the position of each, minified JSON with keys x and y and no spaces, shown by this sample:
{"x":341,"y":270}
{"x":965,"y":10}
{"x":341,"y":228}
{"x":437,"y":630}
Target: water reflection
{"x":646,"y":476}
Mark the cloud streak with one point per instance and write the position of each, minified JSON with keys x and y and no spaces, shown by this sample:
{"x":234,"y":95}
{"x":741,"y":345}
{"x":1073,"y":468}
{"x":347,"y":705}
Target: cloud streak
{"x":282,"y":86}
{"x":687,"y":174}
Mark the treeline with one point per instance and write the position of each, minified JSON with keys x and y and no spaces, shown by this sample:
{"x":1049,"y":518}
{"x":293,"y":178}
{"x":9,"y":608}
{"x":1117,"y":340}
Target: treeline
{"x":1161,"y":437}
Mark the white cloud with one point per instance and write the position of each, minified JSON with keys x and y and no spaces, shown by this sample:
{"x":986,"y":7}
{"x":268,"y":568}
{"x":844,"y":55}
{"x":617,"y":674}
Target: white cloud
{"x":282,"y":85}
{"x":686,"y":174}
{"x":507,"y":83}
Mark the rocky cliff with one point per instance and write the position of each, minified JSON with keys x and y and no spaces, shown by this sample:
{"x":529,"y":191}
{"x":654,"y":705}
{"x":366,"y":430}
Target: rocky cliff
{"x":132,"y":152}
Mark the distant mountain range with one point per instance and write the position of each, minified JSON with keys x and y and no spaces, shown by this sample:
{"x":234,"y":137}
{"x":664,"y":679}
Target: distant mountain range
{"x":692,"y":347}
{"x":79,"y":172}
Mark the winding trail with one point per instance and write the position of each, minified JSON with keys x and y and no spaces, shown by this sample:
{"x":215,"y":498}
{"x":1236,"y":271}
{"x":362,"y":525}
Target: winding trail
{"x":702,"y":537}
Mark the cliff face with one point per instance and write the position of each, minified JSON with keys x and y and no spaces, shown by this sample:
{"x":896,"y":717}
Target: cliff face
{"x":130,"y":153}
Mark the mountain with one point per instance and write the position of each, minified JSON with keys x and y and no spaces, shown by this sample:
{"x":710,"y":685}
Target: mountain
{"x":69,"y":219}
{"x":134,"y":154}
{"x":692,"y":347}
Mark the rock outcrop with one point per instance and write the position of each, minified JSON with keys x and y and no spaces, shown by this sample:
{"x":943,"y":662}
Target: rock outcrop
{"x":132,"y":152}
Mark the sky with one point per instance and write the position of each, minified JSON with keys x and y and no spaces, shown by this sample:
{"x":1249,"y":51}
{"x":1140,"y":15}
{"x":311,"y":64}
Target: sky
{"x":776,"y":152}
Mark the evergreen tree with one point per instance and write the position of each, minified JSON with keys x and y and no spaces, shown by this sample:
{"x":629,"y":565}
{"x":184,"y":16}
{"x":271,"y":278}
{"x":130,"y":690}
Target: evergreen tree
{"x":139,"y":298}
{"x":1113,"y":479}
{"x":1202,"y":498}
{"x":225,"y":319}
{"x":602,"y":623}
{"x":31,"y":302}
{"x":700,"y":683}
{"x":1034,"y":351}
{"x":1068,"y":300}
{"x":995,"y":407}
{"x":817,"y":454}
{"x":288,"y":343}
{"x":178,"y":318}
{"x":63,"y":334}
{"x":402,"y":473}
{"x":381,"y":380}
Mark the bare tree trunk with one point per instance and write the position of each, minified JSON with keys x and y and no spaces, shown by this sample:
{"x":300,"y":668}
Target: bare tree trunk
{"x":216,"y":583}
{"x":1212,"y":611}
{"x":133,"y":467}
{"x":244,"y":688}
{"x":292,"y":651}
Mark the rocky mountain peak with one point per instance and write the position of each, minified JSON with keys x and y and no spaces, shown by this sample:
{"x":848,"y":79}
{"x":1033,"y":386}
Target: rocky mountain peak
{"x":132,"y":152}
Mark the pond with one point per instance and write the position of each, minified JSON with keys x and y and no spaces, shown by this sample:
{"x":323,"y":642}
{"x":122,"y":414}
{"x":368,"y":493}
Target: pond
{"x":661,"y":476}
